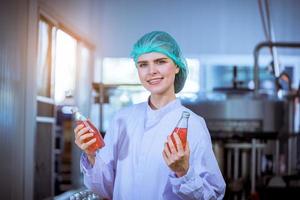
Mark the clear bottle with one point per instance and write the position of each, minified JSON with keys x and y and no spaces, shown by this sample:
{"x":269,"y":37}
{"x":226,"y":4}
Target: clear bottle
{"x":181,"y":129}
{"x":80,"y":119}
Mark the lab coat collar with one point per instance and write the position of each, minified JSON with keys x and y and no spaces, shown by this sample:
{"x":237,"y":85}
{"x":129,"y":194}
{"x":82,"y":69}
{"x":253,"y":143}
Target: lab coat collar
{"x":154,"y":116}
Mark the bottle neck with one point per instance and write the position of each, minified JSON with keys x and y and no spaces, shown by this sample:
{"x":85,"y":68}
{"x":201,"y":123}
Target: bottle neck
{"x":183,"y":122}
{"x":79,"y":117}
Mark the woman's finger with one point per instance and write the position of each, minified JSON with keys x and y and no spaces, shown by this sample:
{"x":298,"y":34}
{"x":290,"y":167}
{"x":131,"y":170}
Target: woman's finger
{"x":78,"y":128}
{"x":166,"y":158}
{"x":171,"y":145}
{"x":187,"y":148}
{"x":167,"y":150}
{"x":178,"y":143}
{"x":85,"y":136}
{"x":86,"y":145}
{"x":82,"y":132}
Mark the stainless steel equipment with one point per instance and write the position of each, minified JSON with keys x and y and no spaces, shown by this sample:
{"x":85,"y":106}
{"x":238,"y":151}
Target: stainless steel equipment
{"x":252,"y":114}
{"x":248,"y":111}
{"x":240,"y":113}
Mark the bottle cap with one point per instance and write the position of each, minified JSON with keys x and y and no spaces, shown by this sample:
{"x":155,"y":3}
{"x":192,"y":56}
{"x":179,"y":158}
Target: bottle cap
{"x":77,"y":115}
{"x":185,"y":114}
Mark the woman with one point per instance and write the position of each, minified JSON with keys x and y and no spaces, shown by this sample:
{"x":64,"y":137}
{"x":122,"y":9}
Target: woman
{"x":139,"y":160}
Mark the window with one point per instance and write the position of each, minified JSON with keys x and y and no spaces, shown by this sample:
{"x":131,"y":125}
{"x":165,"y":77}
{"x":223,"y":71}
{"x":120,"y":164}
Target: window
{"x":61,"y":56}
{"x":125,"y":68}
{"x":65,"y":65}
{"x":44,"y":73}
{"x":217,"y":71}
{"x":192,"y":84}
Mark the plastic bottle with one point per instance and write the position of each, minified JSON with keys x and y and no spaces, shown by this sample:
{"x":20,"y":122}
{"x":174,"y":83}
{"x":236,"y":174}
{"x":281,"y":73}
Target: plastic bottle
{"x":80,"y":119}
{"x":181,"y":129}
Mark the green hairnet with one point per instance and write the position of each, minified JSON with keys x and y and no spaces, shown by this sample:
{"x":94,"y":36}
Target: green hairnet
{"x":162,"y":42}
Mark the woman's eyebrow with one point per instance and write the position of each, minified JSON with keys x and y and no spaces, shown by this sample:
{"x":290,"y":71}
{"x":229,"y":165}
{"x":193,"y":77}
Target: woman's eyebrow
{"x":159,"y":59}
{"x":155,"y":60}
{"x":142,"y":61}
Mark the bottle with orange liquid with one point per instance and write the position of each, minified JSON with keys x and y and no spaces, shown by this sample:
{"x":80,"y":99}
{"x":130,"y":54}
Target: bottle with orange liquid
{"x":80,"y":119}
{"x":181,"y":129}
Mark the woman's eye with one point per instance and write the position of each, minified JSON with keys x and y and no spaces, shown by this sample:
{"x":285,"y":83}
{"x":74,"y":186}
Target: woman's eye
{"x":142,"y":65}
{"x":161,"y":61}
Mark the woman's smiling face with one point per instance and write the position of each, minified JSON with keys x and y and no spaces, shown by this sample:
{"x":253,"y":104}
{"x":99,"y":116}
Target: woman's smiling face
{"x":157,"y":73}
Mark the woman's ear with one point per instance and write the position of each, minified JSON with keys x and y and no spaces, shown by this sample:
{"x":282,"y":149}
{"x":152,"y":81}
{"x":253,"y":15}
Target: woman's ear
{"x":177,"y":69}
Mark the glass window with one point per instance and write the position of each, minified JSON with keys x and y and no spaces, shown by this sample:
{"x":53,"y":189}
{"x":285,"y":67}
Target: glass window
{"x":221,"y":76}
{"x":84,"y":80}
{"x":65,"y":65}
{"x":44,"y":60}
{"x":217,"y":71}
{"x":119,"y":70}
{"x":192,"y":84}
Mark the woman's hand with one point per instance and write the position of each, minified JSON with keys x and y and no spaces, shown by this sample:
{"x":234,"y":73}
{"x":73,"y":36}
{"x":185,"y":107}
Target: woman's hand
{"x":83,"y":139}
{"x":177,"y":159}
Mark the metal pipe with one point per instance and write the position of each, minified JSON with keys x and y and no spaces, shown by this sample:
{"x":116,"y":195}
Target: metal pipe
{"x":236,"y":164}
{"x":256,"y":56}
{"x":259,"y":150}
{"x":229,"y":160}
{"x":276,"y":160}
{"x":290,"y":154}
{"x":253,"y":163}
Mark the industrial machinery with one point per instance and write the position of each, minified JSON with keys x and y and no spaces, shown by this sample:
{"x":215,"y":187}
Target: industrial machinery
{"x":240,"y":113}
{"x":245,"y":111}
{"x":243,"y":121}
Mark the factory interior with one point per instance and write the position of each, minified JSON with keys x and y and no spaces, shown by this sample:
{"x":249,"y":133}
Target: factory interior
{"x":243,"y":59}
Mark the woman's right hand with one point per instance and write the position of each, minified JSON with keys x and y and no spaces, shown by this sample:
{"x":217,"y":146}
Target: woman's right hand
{"x":83,"y":139}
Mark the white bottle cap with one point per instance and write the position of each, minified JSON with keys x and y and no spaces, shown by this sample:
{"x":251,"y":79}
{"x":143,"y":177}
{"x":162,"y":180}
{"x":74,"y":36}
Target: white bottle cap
{"x":185,"y":114}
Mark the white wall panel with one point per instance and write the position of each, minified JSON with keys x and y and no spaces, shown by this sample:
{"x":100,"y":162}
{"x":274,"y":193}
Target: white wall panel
{"x":13,"y":77}
{"x":200,"y":26}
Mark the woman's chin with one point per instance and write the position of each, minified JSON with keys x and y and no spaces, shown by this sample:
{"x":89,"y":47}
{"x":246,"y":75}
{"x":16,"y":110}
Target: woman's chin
{"x":157,"y":90}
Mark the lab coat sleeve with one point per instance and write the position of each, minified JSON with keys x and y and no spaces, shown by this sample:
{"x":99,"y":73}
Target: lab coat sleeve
{"x":203,"y":179}
{"x":100,"y":177}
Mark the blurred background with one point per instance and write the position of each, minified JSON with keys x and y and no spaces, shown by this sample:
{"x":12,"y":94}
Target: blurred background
{"x":244,"y":79}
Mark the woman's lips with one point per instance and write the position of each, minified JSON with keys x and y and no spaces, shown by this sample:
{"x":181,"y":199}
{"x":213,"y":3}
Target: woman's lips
{"x":154,"y":81}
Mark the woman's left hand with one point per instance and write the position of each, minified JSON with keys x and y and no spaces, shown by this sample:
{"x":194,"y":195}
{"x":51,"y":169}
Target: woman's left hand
{"x":177,"y":159}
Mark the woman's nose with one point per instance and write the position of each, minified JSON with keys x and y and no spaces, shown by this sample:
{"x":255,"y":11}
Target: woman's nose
{"x":152,"y":69}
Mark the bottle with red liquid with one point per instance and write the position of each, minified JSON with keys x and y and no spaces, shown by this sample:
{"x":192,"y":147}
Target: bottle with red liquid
{"x":181,"y":129}
{"x":80,"y":119}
